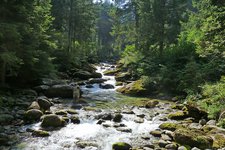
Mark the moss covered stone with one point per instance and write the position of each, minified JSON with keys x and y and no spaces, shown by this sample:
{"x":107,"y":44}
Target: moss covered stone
{"x":151,"y":104}
{"x":40,"y":133}
{"x":179,"y":115}
{"x":121,"y":146}
{"x":52,"y":121}
{"x":170,"y":126}
{"x":111,"y":72}
{"x":218,"y":141}
{"x":134,"y":88}
{"x":193,"y":138}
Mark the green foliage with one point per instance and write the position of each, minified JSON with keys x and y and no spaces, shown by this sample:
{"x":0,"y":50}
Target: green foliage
{"x":212,"y":98}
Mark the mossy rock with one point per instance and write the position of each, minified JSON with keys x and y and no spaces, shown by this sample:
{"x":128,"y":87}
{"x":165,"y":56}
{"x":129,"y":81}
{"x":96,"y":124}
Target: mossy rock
{"x":75,"y":119}
{"x":121,"y":146}
{"x":177,"y":106}
{"x":33,"y":115}
{"x":40,"y":133}
{"x":71,"y":111}
{"x":61,"y":112}
{"x":196,"y":112}
{"x":179,"y":115}
{"x":193,"y":138}
{"x":156,"y":133}
{"x":170,"y":126}
{"x":134,"y":88}
{"x":151,"y":104}
{"x":222,"y":123}
{"x":218,"y":141}
{"x":52,"y":121}
{"x":124,"y":76}
{"x":111,"y":72}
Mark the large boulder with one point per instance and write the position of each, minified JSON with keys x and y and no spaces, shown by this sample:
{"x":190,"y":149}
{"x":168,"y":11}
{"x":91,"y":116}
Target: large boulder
{"x":52,"y":120}
{"x":44,"y":103}
{"x":151,"y":104}
{"x":106,"y":86}
{"x":33,"y":115}
{"x":125,"y":76}
{"x":193,"y":138}
{"x":196,"y":112}
{"x":121,"y":146}
{"x":179,"y":115}
{"x":63,"y":91}
{"x":135,"y":88}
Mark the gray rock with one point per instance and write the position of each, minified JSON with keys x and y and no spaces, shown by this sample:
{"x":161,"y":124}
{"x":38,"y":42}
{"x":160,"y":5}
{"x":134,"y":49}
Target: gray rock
{"x":96,"y":80}
{"x":171,"y":146}
{"x":202,"y":122}
{"x":106,"y":86}
{"x":195,"y":126}
{"x":162,"y":143}
{"x":75,"y":119}
{"x":117,"y":118}
{"x":124,"y":129}
{"x":195,"y":148}
{"x":211,"y":122}
{"x":139,"y":120}
{"x":64,"y":91}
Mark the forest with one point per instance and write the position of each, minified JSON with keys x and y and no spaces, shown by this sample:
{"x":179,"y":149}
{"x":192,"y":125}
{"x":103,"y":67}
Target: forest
{"x":157,"y":51}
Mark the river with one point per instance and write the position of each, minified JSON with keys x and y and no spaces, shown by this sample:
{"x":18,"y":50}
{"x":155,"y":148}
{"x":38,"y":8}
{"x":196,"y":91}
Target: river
{"x":88,"y":135}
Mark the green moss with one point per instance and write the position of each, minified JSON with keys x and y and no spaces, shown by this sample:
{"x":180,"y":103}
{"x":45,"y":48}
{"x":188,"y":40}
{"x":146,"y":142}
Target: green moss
{"x":111,"y":72}
{"x":170,"y":126}
{"x":193,"y":138}
{"x":222,"y":123}
{"x":121,"y":146}
{"x":219,"y":141}
{"x":40,"y":133}
{"x":179,"y":115}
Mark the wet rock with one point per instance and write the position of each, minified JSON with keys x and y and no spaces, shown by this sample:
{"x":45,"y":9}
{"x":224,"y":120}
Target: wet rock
{"x":89,"y":86}
{"x":33,"y":115}
{"x":182,"y":148}
{"x":156,"y":133}
{"x":141,"y":115}
{"x":83,"y":75}
{"x":128,"y":112}
{"x":121,"y":146}
{"x":71,"y":111}
{"x":52,"y":121}
{"x":34,"y":105}
{"x":145,"y":137}
{"x":193,"y":138}
{"x":106,"y":125}
{"x":106,"y":116}
{"x":100,"y":121}
{"x":119,"y":125}
{"x":124,"y":129}
{"x":169,"y":133}
{"x":179,"y":115}
{"x":163,"y":119}
{"x":119,"y":83}
{"x":61,"y":112}
{"x":117,"y":117}
{"x":96,"y":80}
{"x":6,"y":119}
{"x":151,"y":104}
{"x":75,"y":119}
{"x":40,"y":133}
{"x":44,"y":103}
{"x":106,"y":86}
{"x":139,"y":120}
{"x":84,"y":144}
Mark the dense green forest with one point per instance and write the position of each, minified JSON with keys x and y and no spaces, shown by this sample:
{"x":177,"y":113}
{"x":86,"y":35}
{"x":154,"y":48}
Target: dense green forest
{"x":175,"y":47}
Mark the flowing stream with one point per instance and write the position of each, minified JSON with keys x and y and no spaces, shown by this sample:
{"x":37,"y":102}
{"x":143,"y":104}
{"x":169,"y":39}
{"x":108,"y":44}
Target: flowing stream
{"x":96,"y":137}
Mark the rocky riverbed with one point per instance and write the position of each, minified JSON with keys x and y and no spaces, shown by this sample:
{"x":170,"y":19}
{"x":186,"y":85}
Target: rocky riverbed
{"x":103,"y":120}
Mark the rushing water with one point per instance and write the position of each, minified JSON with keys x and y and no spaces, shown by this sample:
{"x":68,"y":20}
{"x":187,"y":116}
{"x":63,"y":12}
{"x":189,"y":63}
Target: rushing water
{"x":100,"y":137}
